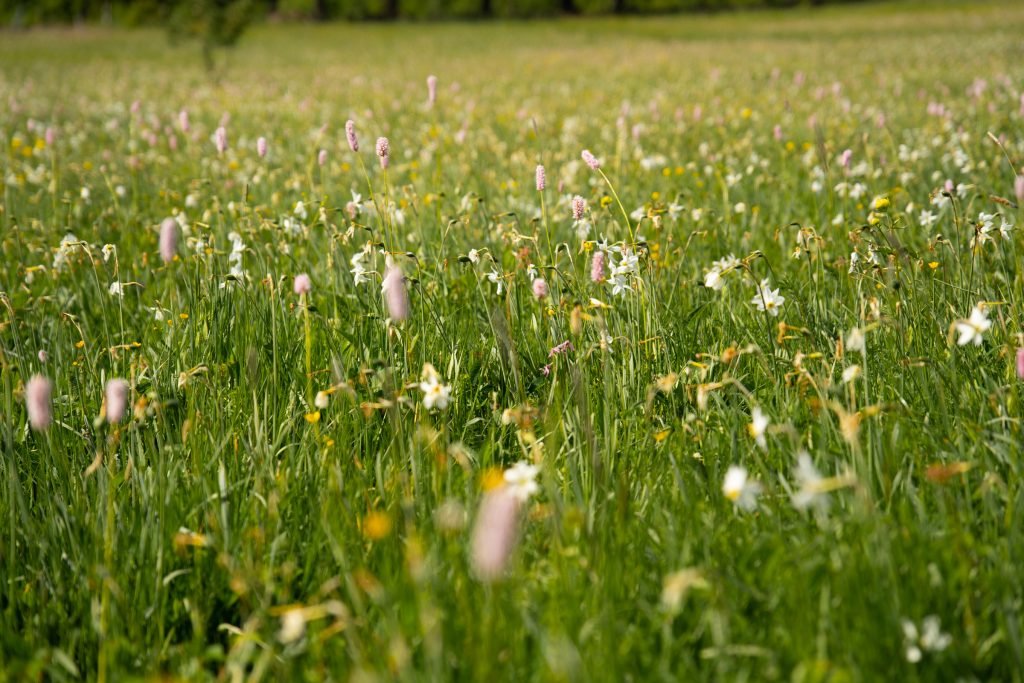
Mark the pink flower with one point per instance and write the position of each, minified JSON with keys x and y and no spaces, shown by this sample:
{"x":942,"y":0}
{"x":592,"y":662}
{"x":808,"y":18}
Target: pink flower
{"x":350,"y":133}
{"x":37,"y":402}
{"x":117,"y":400}
{"x":261,"y":147}
{"x":590,"y":160}
{"x":43,"y":356}
{"x":1018,"y":188}
{"x":431,"y":89}
{"x":168,"y":239}
{"x":597,"y":267}
{"x":846,"y":157}
{"x":221,"y":138}
{"x":321,"y":158}
{"x":393,"y":288}
{"x":183,"y":121}
{"x":383,"y":151}
{"x":559,"y":349}
{"x":777,"y":132}
{"x":540,"y":288}
{"x":51,"y":136}
{"x":541,"y":178}
{"x":494,"y":534}
{"x":949,"y":186}
{"x":546,"y":370}
{"x":579,"y":206}
{"x":303,"y":285}
{"x":1020,"y":363}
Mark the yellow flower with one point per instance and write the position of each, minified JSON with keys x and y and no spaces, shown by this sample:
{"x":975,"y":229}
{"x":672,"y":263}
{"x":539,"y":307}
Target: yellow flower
{"x":376,"y":525}
{"x":606,"y":201}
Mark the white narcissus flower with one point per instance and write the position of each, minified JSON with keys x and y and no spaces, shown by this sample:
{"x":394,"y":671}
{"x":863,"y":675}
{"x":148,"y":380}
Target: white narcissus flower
{"x":851,"y":373}
{"x":713,"y":280}
{"x":973,"y":328}
{"x":929,"y":639}
{"x":758,"y":424}
{"x":116,"y":289}
{"x":739,"y":489}
{"x":435,"y":394}
{"x":811,"y":490}
{"x":474,"y":256}
{"x":767,"y":299}
{"x":495,"y":277}
{"x":521,"y":480}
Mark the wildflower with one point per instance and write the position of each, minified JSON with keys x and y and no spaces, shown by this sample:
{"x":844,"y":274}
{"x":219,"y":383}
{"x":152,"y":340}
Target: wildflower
{"x":521,"y":480}
{"x":395,"y":294}
{"x":1018,"y":188}
{"x":473,"y":256}
{"x":494,"y":534}
{"x":359,"y":272}
{"x":558,"y":349}
{"x":321,"y":157}
{"x":431,"y":89}
{"x":496,"y":278}
{"x":183,"y":121}
{"x":597,"y":267}
{"x":739,"y":489}
{"x":1020,"y":362}
{"x":37,"y":402}
{"x":713,"y":280}
{"x":541,"y":178}
{"x":293,"y":625}
{"x":971,"y":330}
{"x":168,"y":239}
{"x":1004,"y":229}
{"x":758,"y":424}
{"x":108,"y":251}
{"x":929,"y":639}
{"x":322,"y":400}
{"x":383,"y":151}
{"x":51,"y":136}
{"x":855,"y":341}
{"x":116,"y":289}
{"x":302,"y":285}
{"x":812,"y":490}
{"x":435,"y":394}
{"x":540,"y":288}
{"x":350,"y":135}
{"x":579,"y":206}
{"x":221,"y":139}
{"x":43,"y":356}
{"x":117,"y":400}
{"x":767,"y":299}
{"x":590,"y":160}
{"x":845,"y":158}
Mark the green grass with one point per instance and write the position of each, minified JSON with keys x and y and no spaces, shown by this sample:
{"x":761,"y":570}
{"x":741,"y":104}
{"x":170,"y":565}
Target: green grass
{"x":181,"y":541}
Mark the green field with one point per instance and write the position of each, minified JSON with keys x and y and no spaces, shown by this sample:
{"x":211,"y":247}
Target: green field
{"x":768,"y":375}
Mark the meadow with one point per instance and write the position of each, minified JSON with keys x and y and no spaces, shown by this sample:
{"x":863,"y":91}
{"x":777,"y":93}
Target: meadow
{"x":308,"y":372}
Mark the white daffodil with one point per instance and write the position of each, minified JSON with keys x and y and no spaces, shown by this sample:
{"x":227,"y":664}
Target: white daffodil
{"x":741,"y":490}
{"x":521,"y":480}
{"x":767,"y":299}
{"x":435,"y":395}
{"x":758,"y":424}
{"x":972,"y":329}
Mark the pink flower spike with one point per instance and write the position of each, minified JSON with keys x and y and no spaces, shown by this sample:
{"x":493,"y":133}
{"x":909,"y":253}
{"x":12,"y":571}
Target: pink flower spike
{"x":591,"y":160}
{"x":303,"y":285}
{"x":37,"y":402}
{"x":540,"y":288}
{"x":117,"y":400}
{"x":321,"y":158}
{"x":1020,"y":363}
{"x":541,"y":178}
{"x":383,"y":151}
{"x":168,"y":239}
{"x":432,"y":89}
{"x":395,"y":294}
{"x":494,"y":534}
{"x":350,"y":133}
{"x":579,"y":206}
{"x":597,"y":267}
{"x":261,"y":147}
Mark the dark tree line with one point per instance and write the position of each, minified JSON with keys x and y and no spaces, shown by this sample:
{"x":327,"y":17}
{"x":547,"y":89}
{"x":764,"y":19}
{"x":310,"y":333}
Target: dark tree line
{"x":233,"y":15}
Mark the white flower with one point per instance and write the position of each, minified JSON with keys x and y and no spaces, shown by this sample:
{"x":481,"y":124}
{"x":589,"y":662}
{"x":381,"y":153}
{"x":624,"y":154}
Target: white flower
{"x":293,"y":625}
{"x":929,"y":639}
{"x":1005,"y":229}
{"x":926,"y":218}
{"x":811,"y":490}
{"x":474,"y":256}
{"x":854,"y":257}
{"x":322,"y":400}
{"x":855,"y":341}
{"x":739,"y":489}
{"x":108,"y":251}
{"x":713,"y":280}
{"x":495,"y":277}
{"x":359,"y":272}
{"x":116,"y":289}
{"x":521,"y":480}
{"x":851,"y":373}
{"x":300,"y":210}
{"x":767,"y":299}
{"x":435,"y":394}
{"x":758,"y":424}
{"x":970,"y":330}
